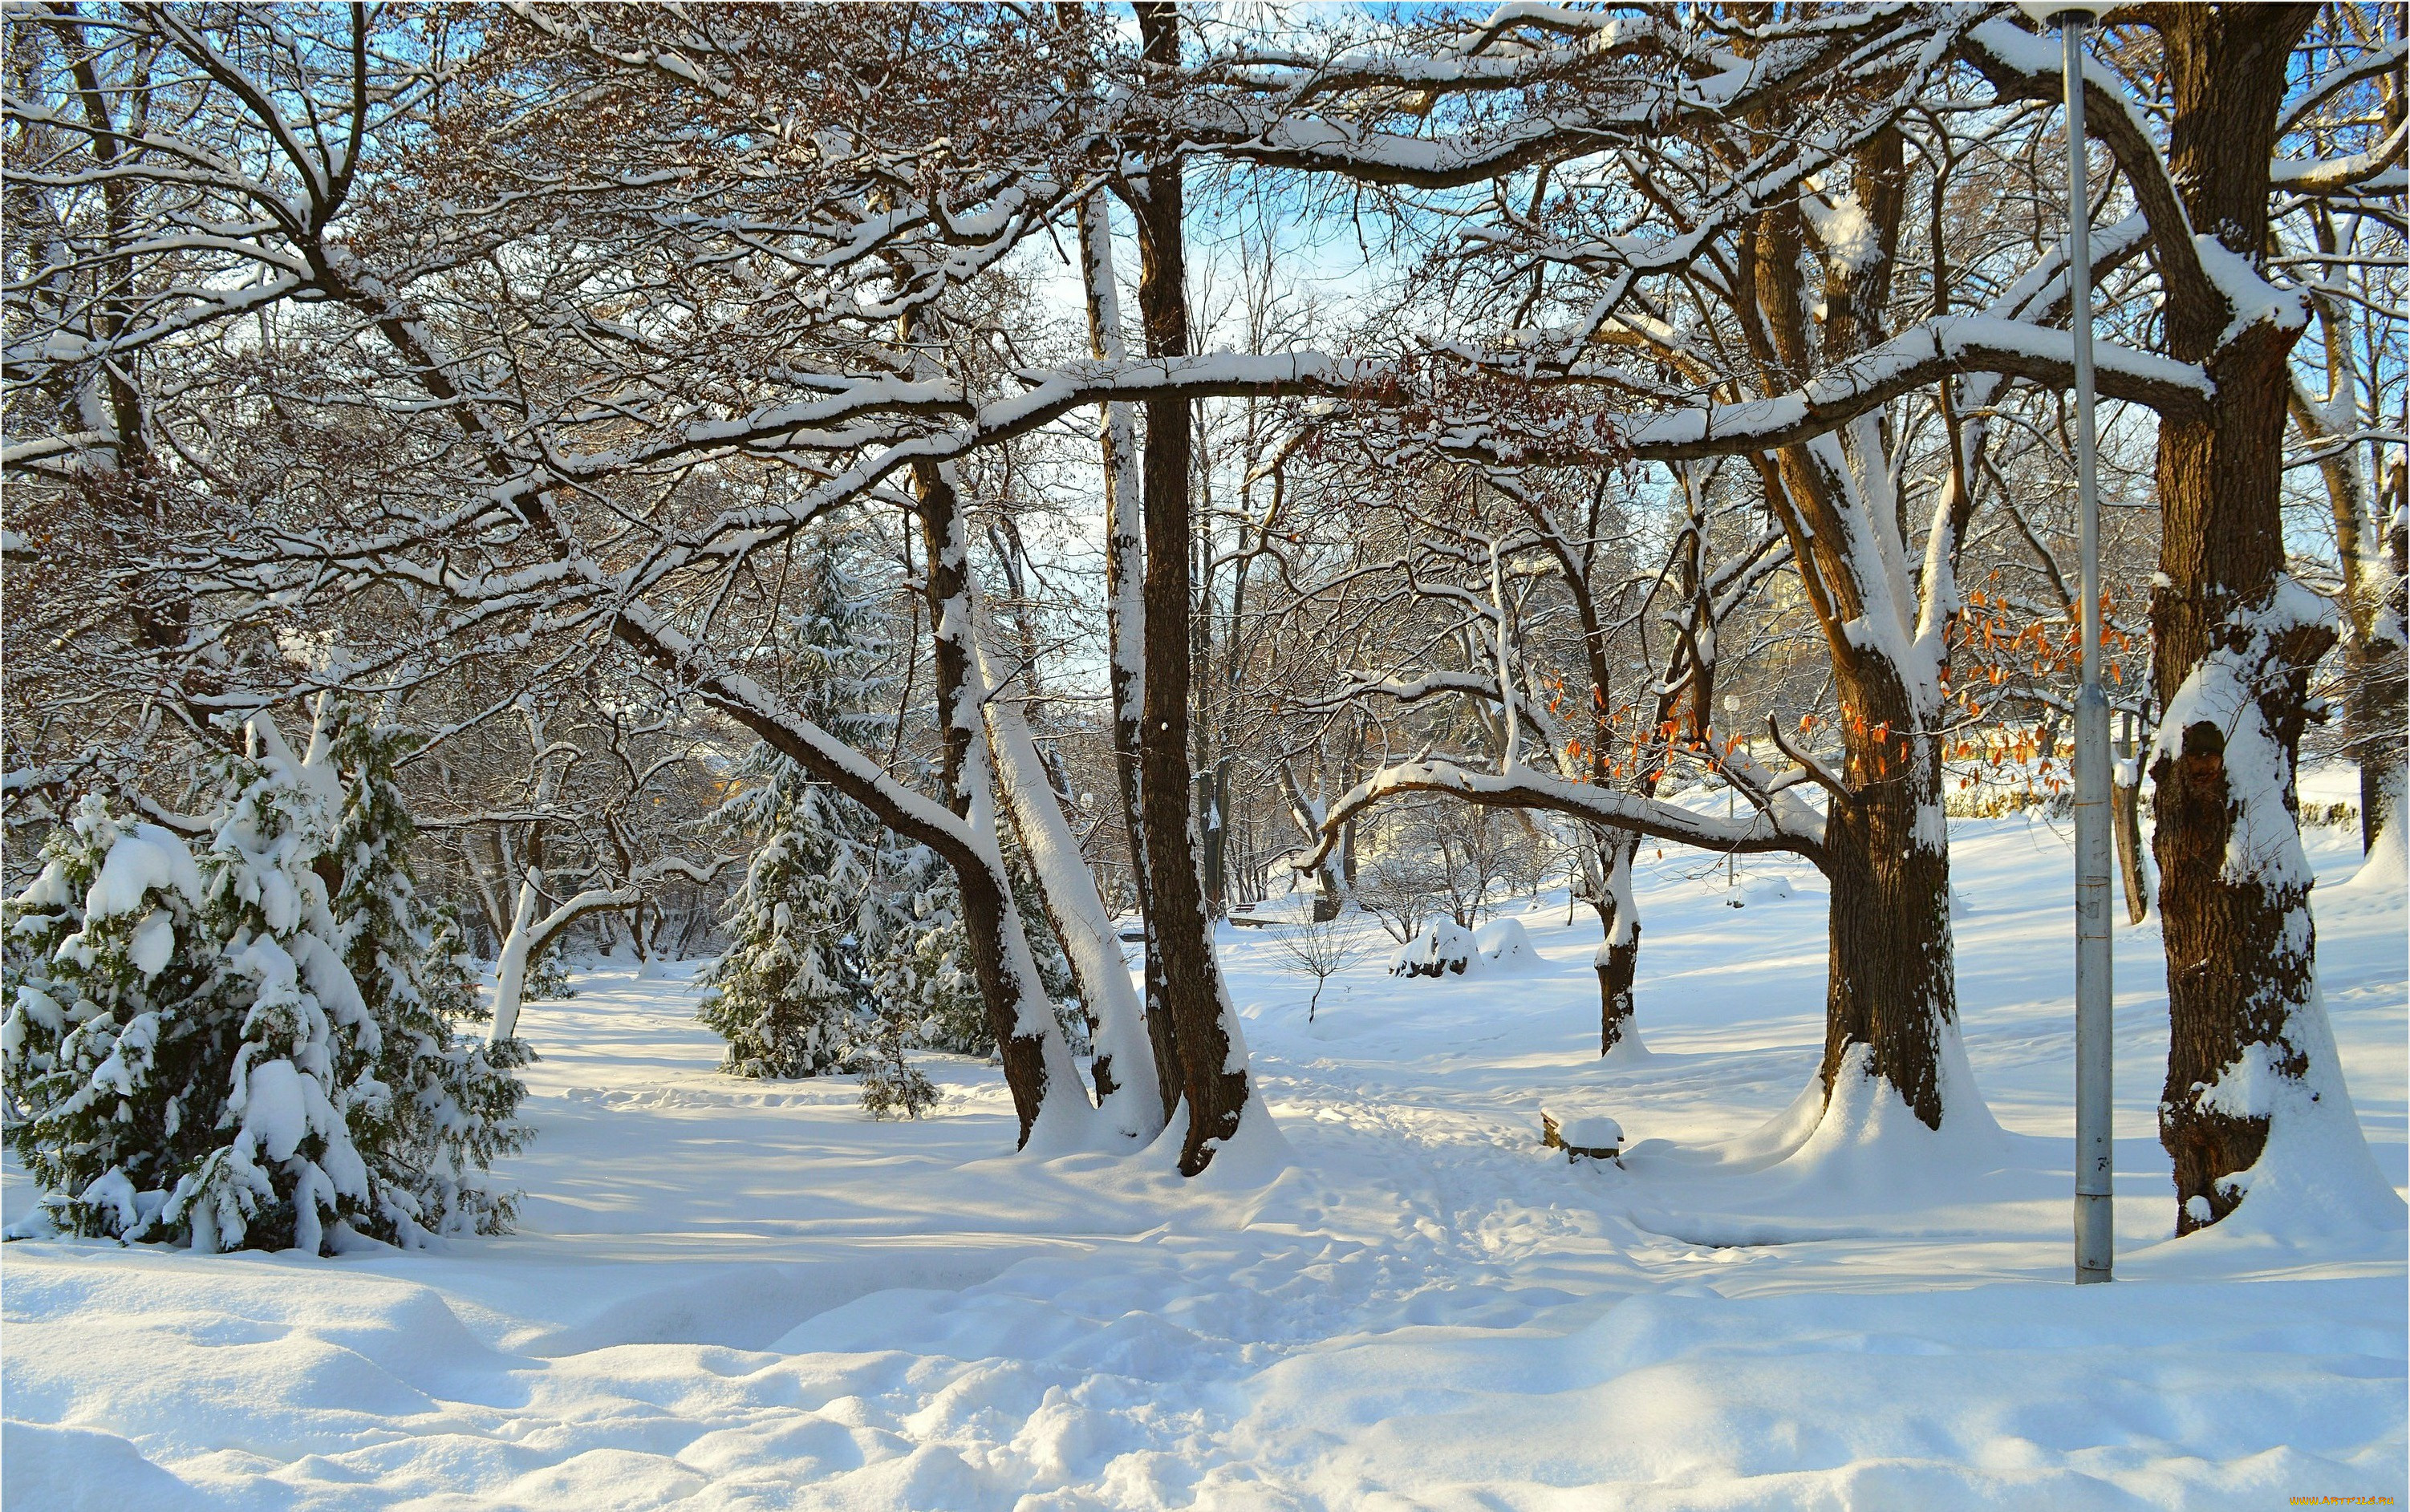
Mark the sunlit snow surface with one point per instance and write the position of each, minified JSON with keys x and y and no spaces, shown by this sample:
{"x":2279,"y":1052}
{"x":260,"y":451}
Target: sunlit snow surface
{"x":739,"y":1295}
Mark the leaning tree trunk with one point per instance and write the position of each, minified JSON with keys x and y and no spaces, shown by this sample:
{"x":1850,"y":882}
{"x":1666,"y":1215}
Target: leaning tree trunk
{"x":1212,"y":1055}
{"x":2126,"y":823}
{"x":1037,"y":1065}
{"x":1124,"y":1068}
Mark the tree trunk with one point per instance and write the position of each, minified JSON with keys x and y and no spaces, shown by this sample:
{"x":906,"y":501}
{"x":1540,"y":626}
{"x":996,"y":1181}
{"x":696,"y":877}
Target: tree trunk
{"x":1124,"y":1069}
{"x":1213,"y":1076}
{"x":2375,"y":712}
{"x":510,"y":971}
{"x":1037,"y":1065}
{"x":2234,"y":650}
{"x":1890,"y":983}
{"x":1125,"y":628}
{"x":2126,"y":818}
{"x":1618,"y":952}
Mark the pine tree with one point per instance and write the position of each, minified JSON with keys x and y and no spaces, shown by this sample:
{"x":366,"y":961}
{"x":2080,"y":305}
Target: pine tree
{"x":290,"y":1167}
{"x":787,"y":995}
{"x":110,"y":1018}
{"x":847,"y":944}
{"x":793,"y":994}
{"x":189,"y":1052}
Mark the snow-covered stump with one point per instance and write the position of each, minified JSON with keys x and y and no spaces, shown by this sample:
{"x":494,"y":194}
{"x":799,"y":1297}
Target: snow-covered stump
{"x":1582,"y":1136}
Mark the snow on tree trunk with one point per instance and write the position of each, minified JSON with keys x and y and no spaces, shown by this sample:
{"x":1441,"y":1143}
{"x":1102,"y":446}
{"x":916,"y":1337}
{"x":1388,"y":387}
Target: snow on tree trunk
{"x":511,"y":970}
{"x":1212,"y":1053}
{"x":1037,"y":1065}
{"x":2255,"y":1097}
{"x":2254,"y":1100}
{"x":1890,"y":985}
{"x":1125,"y":623}
{"x":1618,"y":952}
{"x":1128,"y":1091}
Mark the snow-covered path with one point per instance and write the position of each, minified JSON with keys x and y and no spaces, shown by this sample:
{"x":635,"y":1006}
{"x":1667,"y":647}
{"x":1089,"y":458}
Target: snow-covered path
{"x":746,"y":1295}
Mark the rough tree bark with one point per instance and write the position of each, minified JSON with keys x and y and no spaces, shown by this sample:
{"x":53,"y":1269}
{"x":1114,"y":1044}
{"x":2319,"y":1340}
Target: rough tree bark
{"x":1617,"y":961}
{"x":2234,"y":640}
{"x":1891,"y":985}
{"x":1213,"y":1074}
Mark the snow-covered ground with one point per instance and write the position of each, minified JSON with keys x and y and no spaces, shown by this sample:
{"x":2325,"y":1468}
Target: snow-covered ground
{"x":735,"y":1295}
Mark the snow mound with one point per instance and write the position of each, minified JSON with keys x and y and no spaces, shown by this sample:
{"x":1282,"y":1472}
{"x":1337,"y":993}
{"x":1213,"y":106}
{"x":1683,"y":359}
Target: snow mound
{"x":2384,"y":873}
{"x":1505,"y":943}
{"x":1762,"y":891}
{"x":81,"y":1470}
{"x":1862,"y":1152}
{"x":2316,"y":1185}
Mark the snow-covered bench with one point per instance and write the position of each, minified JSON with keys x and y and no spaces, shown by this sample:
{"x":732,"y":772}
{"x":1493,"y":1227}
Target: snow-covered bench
{"x":1581,"y":1136}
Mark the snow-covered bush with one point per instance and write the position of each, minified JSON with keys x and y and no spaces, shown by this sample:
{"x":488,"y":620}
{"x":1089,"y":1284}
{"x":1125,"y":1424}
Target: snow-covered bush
{"x":548,"y":979}
{"x":891,"y":1085}
{"x":112,"y":1022}
{"x":791,"y":994}
{"x":450,"y":1101}
{"x":1444,"y":949}
{"x":188,"y":1054}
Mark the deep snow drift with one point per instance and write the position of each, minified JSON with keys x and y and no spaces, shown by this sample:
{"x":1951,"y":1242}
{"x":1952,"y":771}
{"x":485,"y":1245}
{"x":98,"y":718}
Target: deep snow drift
{"x":733,"y":1295}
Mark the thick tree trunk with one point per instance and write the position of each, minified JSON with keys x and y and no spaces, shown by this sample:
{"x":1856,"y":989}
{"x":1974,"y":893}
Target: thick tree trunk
{"x":2233,"y":646}
{"x":1891,"y":985}
{"x":2376,"y":713}
{"x":1214,"y":1075}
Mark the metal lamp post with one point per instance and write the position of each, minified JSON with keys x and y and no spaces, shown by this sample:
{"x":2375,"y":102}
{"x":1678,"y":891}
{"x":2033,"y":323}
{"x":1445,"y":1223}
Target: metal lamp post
{"x":2095,"y":1152}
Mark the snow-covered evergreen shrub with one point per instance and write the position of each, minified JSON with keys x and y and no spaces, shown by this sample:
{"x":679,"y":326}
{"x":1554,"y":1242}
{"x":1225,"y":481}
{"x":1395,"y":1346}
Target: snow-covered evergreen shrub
{"x":433,"y":1108}
{"x":188,"y":1055}
{"x":788,"y":995}
{"x":547,"y":980}
{"x":921,"y":965}
{"x":113,"y":1022}
{"x":839,"y":926}
{"x":891,"y":1085}
{"x":843,"y":937}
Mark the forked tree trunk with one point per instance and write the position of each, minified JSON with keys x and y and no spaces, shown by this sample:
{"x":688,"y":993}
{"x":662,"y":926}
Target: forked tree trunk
{"x":1214,"y":1075}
